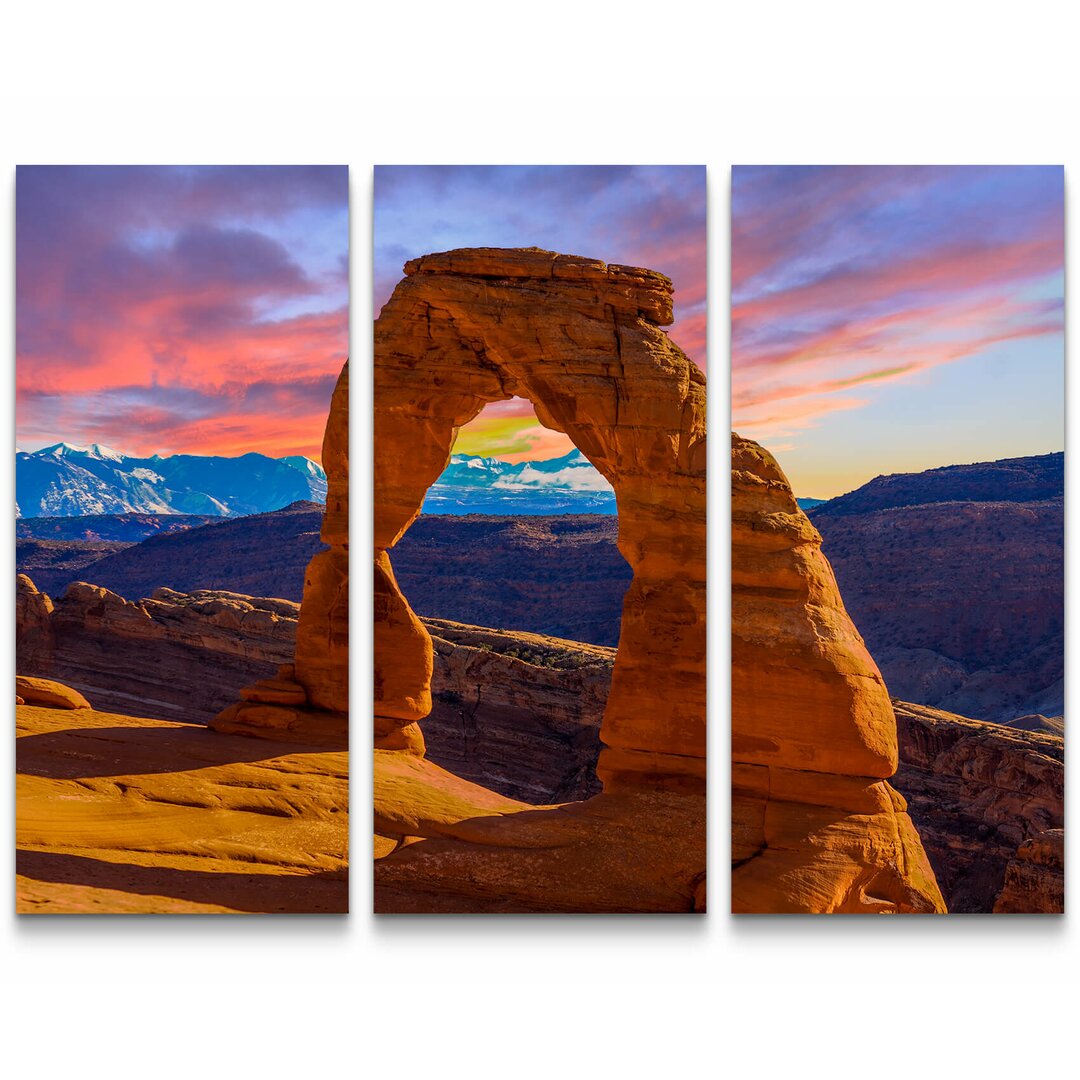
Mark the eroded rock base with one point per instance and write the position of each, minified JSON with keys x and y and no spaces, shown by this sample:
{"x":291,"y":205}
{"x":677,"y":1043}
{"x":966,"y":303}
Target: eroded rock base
{"x":444,"y":844}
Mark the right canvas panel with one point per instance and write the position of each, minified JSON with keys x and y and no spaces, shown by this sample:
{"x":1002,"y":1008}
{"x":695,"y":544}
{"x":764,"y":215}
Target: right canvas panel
{"x":897,"y":539}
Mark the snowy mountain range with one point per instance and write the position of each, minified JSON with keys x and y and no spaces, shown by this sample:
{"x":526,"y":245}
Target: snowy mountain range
{"x":484,"y":485}
{"x":71,"y":481}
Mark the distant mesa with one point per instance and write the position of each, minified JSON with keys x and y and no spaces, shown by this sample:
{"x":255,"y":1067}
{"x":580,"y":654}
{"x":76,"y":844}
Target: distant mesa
{"x":955,"y":578}
{"x":1017,"y":480}
{"x":256,"y":555}
{"x":809,"y":504}
{"x":64,"y":480}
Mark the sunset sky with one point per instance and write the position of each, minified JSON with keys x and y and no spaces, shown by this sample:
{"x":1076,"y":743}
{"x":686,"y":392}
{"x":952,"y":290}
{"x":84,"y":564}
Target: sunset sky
{"x":893,"y":319}
{"x":652,"y":216}
{"x":180,"y":309}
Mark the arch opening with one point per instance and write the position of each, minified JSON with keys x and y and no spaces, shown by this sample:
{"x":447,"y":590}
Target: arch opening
{"x":513,"y":569}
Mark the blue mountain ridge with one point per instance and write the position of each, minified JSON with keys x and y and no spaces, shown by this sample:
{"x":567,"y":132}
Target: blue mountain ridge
{"x":472,"y":484}
{"x":71,"y":481}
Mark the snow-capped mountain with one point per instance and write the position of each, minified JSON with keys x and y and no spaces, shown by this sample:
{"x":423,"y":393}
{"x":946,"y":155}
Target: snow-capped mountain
{"x":484,"y":485}
{"x":70,"y":481}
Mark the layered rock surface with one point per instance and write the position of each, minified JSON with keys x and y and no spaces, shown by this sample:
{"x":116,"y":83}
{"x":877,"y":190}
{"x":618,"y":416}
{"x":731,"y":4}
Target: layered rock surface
{"x":1035,"y":877}
{"x":978,"y":792}
{"x":582,"y":341}
{"x":126,"y":814}
{"x":816,"y":827}
{"x":515,"y":712}
{"x":174,"y":656}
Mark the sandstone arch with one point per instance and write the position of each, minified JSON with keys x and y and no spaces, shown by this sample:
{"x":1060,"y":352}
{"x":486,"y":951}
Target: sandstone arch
{"x":582,"y":341}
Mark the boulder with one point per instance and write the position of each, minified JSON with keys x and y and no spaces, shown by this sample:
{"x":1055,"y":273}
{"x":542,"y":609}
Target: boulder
{"x":52,"y":695}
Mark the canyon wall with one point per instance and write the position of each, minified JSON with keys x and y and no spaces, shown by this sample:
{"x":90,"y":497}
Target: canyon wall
{"x":171,"y":656}
{"x":978,"y":792}
{"x":516,"y":712}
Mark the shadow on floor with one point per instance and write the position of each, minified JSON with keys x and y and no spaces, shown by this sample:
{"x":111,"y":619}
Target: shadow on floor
{"x":81,"y":753}
{"x":320,"y":893}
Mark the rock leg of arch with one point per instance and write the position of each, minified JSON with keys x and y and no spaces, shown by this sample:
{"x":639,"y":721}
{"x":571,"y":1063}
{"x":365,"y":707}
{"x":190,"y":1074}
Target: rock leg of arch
{"x":816,"y":827}
{"x":583,"y":342}
{"x":308,"y":701}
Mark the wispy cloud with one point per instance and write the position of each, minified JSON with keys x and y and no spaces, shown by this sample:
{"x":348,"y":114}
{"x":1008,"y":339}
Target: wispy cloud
{"x":180,"y":309}
{"x":850,"y":278}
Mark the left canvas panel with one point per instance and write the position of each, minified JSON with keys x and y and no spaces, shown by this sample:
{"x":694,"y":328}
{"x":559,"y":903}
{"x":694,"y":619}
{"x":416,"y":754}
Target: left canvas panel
{"x":182,"y":539}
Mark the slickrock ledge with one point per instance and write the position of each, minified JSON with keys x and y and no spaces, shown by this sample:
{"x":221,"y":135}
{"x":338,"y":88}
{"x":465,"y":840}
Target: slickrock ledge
{"x":127,"y":814}
{"x":816,"y":828}
{"x":308,"y":700}
{"x":582,"y":341}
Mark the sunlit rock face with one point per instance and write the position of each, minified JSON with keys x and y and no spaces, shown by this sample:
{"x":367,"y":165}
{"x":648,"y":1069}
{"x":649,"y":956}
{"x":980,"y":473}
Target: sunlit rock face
{"x":582,"y":341}
{"x":815,"y":826}
{"x":308,"y":700}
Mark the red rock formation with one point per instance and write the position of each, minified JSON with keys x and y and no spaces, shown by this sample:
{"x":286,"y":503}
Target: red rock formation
{"x":1035,"y":878}
{"x":174,"y":656}
{"x":582,"y":341}
{"x":46,"y":692}
{"x":309,"y":699}
{"x":815,"y":826}
{"x":976,"y":791}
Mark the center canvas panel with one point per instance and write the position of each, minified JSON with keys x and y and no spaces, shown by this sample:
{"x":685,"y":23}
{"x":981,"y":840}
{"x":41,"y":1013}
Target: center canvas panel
{"x":182,"y":479}
{"x":539,"y":539}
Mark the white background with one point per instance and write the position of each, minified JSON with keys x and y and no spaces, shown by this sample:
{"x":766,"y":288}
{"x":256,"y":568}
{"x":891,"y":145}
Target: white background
{"x":553,"y":82}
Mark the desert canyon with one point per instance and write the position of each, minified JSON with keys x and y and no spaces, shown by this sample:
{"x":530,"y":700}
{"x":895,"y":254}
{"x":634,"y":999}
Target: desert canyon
{"x":199,"y":802}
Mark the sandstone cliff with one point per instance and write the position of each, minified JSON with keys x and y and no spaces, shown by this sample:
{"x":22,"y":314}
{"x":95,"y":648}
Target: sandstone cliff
{"x":816,"y":827}
{"x":582,"y":341}
{"x":1035,"y":877}
{"x":978,"y":792}
{"x":518,"y":713}
{"x":174,"y":656}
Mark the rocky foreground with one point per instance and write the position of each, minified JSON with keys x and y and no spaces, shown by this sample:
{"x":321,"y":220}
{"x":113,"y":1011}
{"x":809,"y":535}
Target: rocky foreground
{"x":118,"y":813}
{"x":519,"y":714}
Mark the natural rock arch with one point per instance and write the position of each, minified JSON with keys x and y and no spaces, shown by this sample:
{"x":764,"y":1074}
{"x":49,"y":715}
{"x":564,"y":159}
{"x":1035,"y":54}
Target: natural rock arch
{"x":582,"y":342}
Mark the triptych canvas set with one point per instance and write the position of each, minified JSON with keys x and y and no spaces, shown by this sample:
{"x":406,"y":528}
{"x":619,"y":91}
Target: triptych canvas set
{"x":537,"y":488}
